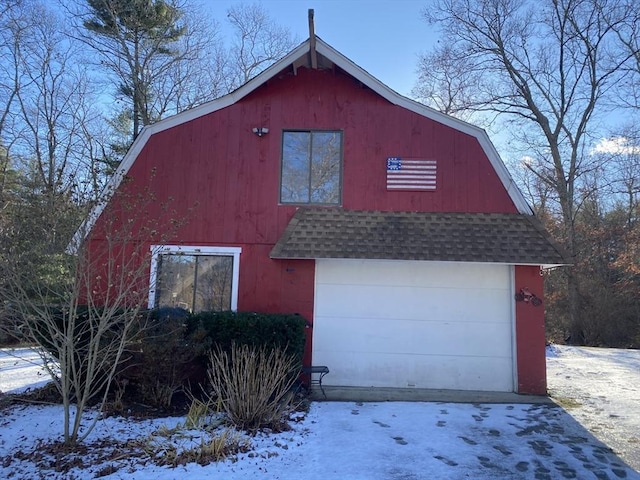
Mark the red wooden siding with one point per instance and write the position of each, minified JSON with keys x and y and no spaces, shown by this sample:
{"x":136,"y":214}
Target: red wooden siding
{"x":222,"y":181}
{"x":230,"y":177}
{"x":530,"y":335}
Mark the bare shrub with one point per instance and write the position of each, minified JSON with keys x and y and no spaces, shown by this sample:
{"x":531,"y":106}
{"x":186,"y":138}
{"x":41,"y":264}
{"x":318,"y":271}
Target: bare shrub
{"x":253,"y":384}
{"x":83,"y":303}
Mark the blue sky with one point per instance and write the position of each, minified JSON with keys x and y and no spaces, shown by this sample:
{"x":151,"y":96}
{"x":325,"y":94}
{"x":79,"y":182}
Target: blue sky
{"x":382,"y":36}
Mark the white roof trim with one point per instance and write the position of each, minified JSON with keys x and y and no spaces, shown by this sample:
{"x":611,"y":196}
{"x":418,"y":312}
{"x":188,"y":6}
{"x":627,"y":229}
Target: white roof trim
{"x":345,"y":64}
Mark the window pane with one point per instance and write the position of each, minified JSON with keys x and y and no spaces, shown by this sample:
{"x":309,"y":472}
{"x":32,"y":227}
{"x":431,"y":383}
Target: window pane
{"x":325,"y":167}
{"x":175,"y":281}
{"x":295,"y":167}
{"x":214,"y":281}
{"x":210,"y":277}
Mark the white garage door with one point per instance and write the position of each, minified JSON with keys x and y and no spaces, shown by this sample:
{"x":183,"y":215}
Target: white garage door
{"x":442,"y":325}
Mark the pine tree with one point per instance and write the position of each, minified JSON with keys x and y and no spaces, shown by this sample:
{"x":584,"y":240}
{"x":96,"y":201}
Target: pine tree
{"x":137,"y":40}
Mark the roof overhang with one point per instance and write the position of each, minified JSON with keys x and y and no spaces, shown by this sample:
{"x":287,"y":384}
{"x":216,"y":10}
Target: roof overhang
{"x":504,"y":238}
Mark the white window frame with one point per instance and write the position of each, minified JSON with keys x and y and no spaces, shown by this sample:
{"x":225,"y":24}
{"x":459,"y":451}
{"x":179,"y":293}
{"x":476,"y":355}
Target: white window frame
{"x":157,"y":250}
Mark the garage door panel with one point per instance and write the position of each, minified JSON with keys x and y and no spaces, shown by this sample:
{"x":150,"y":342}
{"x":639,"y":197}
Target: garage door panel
{"x":422,"y":324}
{"x":411,"y":337}
{"x":384,"y":370}
{"x":414,"y":302}
{"x":439,"y":274}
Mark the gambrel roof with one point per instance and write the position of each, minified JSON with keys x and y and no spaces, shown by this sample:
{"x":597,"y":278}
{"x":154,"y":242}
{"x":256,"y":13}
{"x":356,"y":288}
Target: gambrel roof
{"x":317,"y":53}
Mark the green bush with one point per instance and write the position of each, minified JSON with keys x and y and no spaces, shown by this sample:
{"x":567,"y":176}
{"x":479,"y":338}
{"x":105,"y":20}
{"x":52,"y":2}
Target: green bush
{"x":223,"y":329}
{"x":171,"y":351}
{"x":162,"y":361}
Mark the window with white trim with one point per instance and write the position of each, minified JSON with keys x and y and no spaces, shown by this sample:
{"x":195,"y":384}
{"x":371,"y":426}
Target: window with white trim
{"x":194,"y":278}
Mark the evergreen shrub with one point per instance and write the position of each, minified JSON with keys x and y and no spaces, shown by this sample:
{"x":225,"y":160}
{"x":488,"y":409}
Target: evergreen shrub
{"x":269,"y":330}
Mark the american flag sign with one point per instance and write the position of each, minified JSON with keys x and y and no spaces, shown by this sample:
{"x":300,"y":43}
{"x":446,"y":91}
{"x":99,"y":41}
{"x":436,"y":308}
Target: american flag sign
{"x":411,"y":174}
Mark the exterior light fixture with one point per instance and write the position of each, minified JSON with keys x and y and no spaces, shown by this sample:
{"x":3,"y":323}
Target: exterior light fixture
{"x":260,"y":131}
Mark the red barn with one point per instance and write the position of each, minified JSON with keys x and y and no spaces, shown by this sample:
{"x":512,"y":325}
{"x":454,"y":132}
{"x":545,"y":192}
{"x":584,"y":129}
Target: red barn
{"x":395,"y":230}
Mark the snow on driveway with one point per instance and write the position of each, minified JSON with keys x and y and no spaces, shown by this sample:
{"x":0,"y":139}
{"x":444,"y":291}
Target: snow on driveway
{"x":600,"y":388}
{"x":344,"y":440}
{"x":21,"y":369}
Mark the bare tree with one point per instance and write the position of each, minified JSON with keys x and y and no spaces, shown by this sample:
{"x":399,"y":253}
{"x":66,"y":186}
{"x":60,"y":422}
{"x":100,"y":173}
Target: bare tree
{"x":546,"y":69}
{"x":257,"y":43}
{"x":47,"y":104}
{"x":198,"y":76}
{"x":48,"y":133}
{"x":15,"y":24}
{"x":48,"y":114}
{"x":628,"y":32}
{"x":163,"y":56}
{"x":621,"y":154}
{"x":85,"y":319}
{"x":50,"y":137}
{"x":448,"y":83}
{"x":8,"y":76}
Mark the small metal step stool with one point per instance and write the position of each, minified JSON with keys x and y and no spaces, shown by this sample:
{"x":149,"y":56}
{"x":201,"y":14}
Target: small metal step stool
{"x":321,"y":371}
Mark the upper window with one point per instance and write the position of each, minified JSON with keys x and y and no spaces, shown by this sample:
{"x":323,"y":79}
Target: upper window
{"x":311,"y":167}
{"x":194,"y":278}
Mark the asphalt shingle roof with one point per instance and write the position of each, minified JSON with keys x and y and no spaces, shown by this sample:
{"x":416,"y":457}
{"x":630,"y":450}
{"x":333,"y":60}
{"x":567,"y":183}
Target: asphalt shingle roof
{"x":461,"y":237}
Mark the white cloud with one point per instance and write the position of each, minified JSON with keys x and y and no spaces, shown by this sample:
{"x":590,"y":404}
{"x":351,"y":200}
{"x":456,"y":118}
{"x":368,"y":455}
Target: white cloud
{"x":613,"y":145}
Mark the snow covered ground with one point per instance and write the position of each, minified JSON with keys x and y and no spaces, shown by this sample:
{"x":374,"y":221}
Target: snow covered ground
{"x":345,"y":440}
{"x":600,"y":388}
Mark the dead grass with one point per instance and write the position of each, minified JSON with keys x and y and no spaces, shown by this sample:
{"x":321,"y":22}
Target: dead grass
{"x":567,"y":403}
